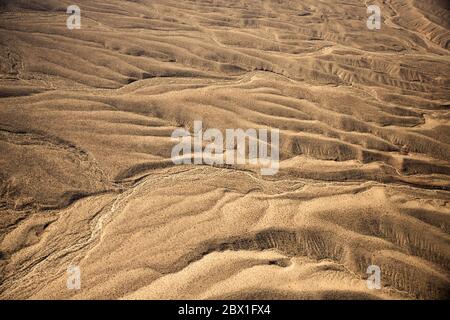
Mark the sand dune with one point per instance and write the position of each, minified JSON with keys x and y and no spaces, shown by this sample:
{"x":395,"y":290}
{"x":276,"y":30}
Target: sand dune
{"x":86,"y":118}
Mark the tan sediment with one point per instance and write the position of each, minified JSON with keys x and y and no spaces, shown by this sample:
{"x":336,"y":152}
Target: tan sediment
{"x":86,"y":118}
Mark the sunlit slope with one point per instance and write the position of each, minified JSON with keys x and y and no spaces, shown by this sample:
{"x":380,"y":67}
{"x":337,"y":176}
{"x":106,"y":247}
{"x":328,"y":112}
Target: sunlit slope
{"x":86,"y":118}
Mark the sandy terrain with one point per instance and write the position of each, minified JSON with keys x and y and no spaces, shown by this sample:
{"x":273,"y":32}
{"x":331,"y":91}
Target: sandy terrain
{"x":86,"y":179}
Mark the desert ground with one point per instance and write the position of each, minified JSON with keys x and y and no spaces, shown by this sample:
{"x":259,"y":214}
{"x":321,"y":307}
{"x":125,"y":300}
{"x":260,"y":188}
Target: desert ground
{"x":87,"y":180}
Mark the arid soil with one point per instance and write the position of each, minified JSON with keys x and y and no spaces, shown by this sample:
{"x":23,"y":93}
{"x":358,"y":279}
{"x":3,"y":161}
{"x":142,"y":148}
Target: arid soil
{"x":87,"y":180}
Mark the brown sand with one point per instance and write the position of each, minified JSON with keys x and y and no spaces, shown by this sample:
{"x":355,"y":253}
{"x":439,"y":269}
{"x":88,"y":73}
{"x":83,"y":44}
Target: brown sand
{"x":86,"y":177}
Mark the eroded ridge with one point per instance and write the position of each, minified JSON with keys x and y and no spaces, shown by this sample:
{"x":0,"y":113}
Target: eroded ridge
{"x":86,"y":118}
